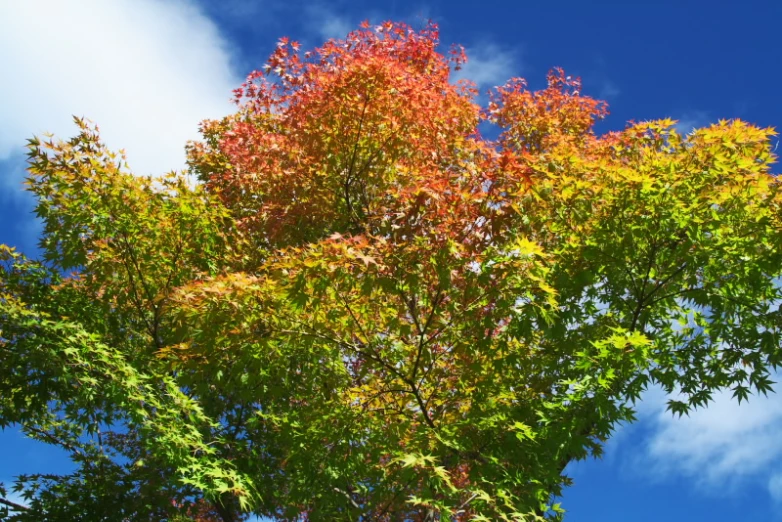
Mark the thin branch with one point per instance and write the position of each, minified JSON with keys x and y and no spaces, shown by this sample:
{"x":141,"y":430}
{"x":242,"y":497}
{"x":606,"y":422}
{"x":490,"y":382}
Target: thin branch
{"x":13,"y":505}
{"x":352,"y":315}
{"x":652,"y":258}
{"x":665,"y":281}
{"x":150,"y":297}
{"x":673,"y":294}
{"x":464,"y":504}
{"x":422,"y":405}
{"x":56,"y":440}
{"x":412,"y":307}
{"x":347,"y":496}
{"x":135,"y":297}
{"x":349,"y":175}
{"x":422,"y":341}
{"x":393,"y":499}
{"x":136,"y":265}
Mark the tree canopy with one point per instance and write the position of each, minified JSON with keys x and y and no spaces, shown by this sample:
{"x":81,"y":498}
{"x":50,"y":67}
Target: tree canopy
{"x":365,"y":310}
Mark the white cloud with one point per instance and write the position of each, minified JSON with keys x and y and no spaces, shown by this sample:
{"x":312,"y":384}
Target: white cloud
{"x":12,"y":173}
{"x":146,"y":71}
{"x":723,"y":445}
{"x":775,"y":486}
{"x":608,"y":90}
{"x":327,"y":24}
{"x":334,"y":27}
{"x":689,"y":121}
{"x":488,"y":65}
{"x":23,"y":230}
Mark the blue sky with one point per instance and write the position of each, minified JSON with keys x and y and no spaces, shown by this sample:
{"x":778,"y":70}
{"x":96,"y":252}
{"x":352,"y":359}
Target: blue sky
{"x":148,"y":71}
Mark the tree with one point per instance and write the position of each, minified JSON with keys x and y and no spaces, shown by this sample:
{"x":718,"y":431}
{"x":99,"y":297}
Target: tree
{"x":365,"y":310}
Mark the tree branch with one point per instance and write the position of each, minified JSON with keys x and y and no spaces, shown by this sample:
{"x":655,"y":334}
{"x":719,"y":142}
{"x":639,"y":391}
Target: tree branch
{"x":13,"y":505}
{"x":56,"y":440}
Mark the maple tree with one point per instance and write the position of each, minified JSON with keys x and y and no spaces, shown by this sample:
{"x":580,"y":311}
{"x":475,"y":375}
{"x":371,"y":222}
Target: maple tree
{"x":365,"y":310}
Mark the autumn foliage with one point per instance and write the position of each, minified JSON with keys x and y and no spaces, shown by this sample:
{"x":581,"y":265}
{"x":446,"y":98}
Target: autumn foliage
{"x":366,"y":310}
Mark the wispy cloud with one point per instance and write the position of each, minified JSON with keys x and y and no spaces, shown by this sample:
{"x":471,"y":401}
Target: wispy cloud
{"x":599,"y":78}
{"x":328,"y":23}
{"x":691,"y":120}
{"x":726,"y":445}
{"x":775,"y":487}
{"x":489,"y":65}
{"x":145,"y":71}
{"x":23,"y":230}
{"x":608,"y":90}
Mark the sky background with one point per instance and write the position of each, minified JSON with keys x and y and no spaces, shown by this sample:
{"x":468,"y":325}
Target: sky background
{"x":147,"y":71}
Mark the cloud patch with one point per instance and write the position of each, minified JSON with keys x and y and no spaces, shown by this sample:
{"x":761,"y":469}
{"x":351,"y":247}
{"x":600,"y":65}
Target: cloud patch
{"x":608,"y":90}
{"x":146,"y":71}
{"x":726,"y":445}
{"x":775,"y":487}
{"x":689,"y":121}
{"x":328,"y":24}
{"x":488,"y":65}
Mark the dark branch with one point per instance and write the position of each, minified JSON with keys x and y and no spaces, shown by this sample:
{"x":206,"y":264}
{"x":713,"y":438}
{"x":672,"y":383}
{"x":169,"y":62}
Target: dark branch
{"x":13,"y":505}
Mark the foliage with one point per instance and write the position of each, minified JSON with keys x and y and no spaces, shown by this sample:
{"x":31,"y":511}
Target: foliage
{"x":366,"y":310}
